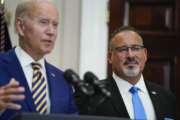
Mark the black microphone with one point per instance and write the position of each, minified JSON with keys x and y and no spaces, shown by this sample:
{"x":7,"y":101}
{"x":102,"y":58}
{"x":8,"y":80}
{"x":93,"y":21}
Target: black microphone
{"x":90,"y":78}
{"x":78,"y":84}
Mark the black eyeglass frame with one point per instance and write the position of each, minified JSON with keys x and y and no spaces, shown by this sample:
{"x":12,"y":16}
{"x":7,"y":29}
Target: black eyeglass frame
{"x":125,"y":49}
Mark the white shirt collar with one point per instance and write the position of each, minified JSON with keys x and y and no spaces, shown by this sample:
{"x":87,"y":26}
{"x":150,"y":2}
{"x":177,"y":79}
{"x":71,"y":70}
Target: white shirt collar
{"x":25,"y":59}
{"x":124,"y":85}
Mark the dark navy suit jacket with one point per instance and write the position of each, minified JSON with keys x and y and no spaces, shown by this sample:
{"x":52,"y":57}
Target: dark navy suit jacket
{"x":61,"y":95}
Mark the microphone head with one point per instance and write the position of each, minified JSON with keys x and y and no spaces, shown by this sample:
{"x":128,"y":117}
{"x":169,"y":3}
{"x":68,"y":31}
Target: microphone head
{"x":71,"y":76}
{"x":90,"y":78}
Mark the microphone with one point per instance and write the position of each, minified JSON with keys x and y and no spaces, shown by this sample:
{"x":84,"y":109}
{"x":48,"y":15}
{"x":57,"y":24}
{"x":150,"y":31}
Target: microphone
{"x":90,"y":78}
{"x":78,"y":84}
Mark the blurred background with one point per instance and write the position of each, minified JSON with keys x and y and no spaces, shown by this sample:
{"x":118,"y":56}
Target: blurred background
{"x":85,"y":26}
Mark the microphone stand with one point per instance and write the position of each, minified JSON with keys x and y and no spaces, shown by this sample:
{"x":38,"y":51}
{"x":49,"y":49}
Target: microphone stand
{"x":82,"y":98}
{"x":95,"y":101}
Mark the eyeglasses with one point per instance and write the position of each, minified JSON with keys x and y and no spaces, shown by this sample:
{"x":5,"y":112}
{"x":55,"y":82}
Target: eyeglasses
{"x":125,"y":49}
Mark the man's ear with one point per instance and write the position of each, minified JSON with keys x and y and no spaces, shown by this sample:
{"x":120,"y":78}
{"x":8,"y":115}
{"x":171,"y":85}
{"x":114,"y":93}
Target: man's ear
{"x":145,"y":54}
{"x":110,"y":57}
{"x":20,"y":26}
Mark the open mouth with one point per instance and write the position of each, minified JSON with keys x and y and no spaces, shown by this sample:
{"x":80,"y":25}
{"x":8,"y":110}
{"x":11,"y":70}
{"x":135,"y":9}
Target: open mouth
{"x":47,"y":42}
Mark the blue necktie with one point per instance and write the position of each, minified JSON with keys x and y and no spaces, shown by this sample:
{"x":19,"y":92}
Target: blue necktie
{"x":139,"y":113}
{"x":39,"y":89}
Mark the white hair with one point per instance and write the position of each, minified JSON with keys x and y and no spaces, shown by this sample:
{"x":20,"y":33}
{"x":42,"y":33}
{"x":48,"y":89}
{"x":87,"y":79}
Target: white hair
{"x":24,"y":7}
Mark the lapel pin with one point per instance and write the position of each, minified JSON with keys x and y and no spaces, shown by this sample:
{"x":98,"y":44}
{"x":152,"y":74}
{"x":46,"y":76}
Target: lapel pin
{"x":154,"y":92}
{"x":52,"y":74}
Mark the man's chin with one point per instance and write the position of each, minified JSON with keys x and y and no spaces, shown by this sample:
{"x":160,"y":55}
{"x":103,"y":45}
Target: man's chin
{"x":47,"y":49}
{"x":47,"y":52}
{"x":131,"y":75}
{"x":131,"y":72}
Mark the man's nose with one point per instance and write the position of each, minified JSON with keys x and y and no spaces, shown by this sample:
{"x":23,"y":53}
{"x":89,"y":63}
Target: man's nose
{"x":51,"y":29}
{"x":130,"y":53}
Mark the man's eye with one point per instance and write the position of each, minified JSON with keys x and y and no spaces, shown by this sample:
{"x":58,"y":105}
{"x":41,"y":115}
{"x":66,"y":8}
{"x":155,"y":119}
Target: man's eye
{"x":55,"y":25}
{"x":135,"y":48}
{"x":43,"y":22}
{"x":122,"y":49}
{"x":126,"y":48}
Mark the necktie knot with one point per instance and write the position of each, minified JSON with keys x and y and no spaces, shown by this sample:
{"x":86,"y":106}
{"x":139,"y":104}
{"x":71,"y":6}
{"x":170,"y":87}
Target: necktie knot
{"x":36,"y":66}
{"x":133,"y":90}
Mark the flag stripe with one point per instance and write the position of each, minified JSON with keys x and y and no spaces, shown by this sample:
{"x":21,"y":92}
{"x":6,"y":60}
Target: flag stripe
{"x":5,"y":43}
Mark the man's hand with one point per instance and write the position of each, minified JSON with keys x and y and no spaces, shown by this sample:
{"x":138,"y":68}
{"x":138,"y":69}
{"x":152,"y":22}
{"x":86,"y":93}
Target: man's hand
{"x":9,"y":93}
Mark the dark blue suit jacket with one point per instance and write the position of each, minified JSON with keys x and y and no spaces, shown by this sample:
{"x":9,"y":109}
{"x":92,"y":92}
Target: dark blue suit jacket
{"x":61,"y":95}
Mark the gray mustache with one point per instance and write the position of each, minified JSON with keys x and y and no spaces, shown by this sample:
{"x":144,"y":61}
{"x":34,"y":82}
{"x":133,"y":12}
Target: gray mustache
{"x":129,"y":60}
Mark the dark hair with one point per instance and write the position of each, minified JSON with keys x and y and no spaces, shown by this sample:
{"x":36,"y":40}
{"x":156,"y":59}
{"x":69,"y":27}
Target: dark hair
{"x":123,"y":28}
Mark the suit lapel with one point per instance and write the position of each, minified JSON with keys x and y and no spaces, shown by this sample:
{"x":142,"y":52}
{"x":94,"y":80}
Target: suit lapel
{"x":51,"y":82}
{"x":15,"y":70}
{"x":59,"y":91}
{"x":156,"y":100}
{"x":116,"y":99}
{"x":54,"y":89}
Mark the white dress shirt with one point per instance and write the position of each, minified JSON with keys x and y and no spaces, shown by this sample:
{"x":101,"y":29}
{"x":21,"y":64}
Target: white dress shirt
{"x":124,"y":87}
{"x":25,"y":61}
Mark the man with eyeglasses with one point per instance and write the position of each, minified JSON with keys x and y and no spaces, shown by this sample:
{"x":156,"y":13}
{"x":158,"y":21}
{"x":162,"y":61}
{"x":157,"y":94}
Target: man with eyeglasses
{"x":131,"y":96}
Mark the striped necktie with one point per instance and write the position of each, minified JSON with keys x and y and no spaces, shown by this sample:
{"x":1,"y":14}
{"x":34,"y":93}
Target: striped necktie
{"x":139,"y":112}
{"x":39,"y":88}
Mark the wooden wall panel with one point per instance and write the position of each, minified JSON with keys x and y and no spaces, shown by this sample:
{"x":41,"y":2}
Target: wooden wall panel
{"x":161,"y":68}
{"x":151,"y":17}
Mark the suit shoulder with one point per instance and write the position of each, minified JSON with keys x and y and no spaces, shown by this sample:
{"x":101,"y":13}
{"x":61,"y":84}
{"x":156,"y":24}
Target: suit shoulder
{"x":4,"y":57}
{"x":54,"y":68}
{"x":107,"y":81}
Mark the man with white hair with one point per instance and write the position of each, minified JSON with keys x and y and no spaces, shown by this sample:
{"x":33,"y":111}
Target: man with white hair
{"x":28,"y":83}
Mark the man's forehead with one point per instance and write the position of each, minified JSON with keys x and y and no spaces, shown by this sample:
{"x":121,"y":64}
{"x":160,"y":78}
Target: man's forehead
{"x":126,"y":33}
{"x":36,"y":5}
{"x":40,"y":10}
{"x":129,"y":36}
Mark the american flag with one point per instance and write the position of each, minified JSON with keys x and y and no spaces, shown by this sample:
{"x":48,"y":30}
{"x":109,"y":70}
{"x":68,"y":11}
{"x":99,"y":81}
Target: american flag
{"x":5,"y":43}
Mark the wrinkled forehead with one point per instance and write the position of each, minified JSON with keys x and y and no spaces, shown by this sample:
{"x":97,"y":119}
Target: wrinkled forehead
{"x":37,"y":7}
{"x":126,"y":38}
